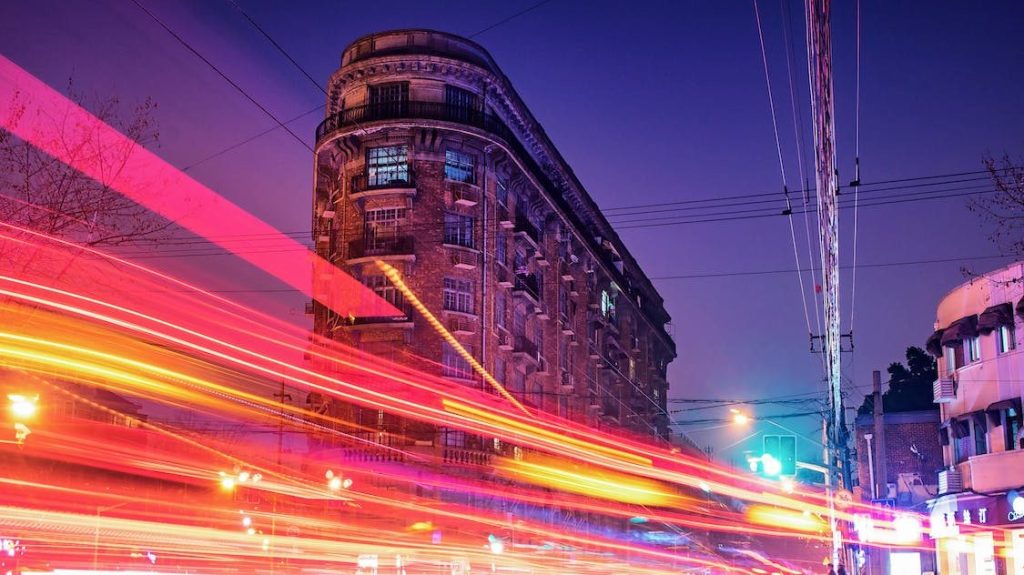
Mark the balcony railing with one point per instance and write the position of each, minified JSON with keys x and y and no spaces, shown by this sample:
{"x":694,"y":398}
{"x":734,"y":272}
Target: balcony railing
{"x":526,"y":227}
{"x":363,"y":183}
{"x":404,"y":308}
{"x":440,"y":111}
{"x":527,"y":285}
{"x":523,"y":345}
{"x":397,"y":246}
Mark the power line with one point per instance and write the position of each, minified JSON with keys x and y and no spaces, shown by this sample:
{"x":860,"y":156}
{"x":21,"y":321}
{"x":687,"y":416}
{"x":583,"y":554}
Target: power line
{"x":233,"y":84}
{"x":790,"y":270}
{"x":509,"y":18}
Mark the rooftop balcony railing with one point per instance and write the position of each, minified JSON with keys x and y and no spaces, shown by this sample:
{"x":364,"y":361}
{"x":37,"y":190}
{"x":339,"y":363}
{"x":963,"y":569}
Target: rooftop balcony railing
{"x":413,"y":110}
{"x":397,"y":246}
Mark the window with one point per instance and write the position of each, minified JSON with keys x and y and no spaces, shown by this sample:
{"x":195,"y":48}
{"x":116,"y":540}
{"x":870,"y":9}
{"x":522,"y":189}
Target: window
{"x":499,"y":369}
{"x":607,"y":304}
{"x":458,"y":295}
{"x":954,"y":355}
{"x":454,"y":438}
{"x":383,"y":287}
{"x":389,"y":99}
{"x":1006,"y":338}
{"x":980,"y":438}
{"x":500,"y":243}
{"x":381,"y":228}
{"x":1011,"y":428}
{"x":501,"y":191}
{"x":563,"y":354}
{"x":563,"y":406}
{"x":459,"y":167}
{"x":973,"y":349}
{"x":563,"y":304}
{"x":500,"y":305}
{"x":519,"y":321}
{"x":462,"y":104}
{"x":518,"y":387}
{"x":538,"y":336}
{"x":385,"y":165}
{"x":458,"y":230}
{"x":537,"y":395}
{"x":453,"y":364}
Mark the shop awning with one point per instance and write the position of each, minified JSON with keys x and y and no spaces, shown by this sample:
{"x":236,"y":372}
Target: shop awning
{"x":959,"y":330}
{"x":1004,"y":405}
{"x":995,"y":317}
{"x":934,"y":343}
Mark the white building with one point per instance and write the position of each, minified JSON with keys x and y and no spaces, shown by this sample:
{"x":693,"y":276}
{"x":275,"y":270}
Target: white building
{"x":977,"y":517}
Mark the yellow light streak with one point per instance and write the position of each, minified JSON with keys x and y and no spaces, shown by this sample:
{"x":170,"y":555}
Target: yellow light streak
{"x":522,"y":427}
{"x":396,"y":278}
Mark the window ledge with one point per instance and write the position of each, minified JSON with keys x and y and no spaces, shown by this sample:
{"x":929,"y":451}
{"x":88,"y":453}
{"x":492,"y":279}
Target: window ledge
{"x":457,"y":313}
{"x":460,"y":248}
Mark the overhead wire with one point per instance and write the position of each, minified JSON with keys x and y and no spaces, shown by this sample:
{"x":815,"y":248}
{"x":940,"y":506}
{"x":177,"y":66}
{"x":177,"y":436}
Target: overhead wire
{"x":188,"y":46}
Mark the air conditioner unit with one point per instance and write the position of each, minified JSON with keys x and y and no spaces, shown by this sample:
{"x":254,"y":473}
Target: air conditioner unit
{"x":504,"y":341}
{"x":460,"y":326}
{"x":944,"y":390}
{"x":568,"y":382}
{"x":464,"y":260}
{"x":464,"y":196}
{"x":950,"y":481}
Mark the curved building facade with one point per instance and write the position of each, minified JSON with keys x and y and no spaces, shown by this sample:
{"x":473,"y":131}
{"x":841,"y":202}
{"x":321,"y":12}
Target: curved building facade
{"x":429,"y":160}
{"x":978,"y":517}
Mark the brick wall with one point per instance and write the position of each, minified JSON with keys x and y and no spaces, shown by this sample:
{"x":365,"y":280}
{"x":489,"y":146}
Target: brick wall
{"x":902,"y":431}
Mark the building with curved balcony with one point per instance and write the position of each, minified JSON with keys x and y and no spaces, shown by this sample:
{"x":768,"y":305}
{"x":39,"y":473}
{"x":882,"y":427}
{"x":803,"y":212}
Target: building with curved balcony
{"x":429,"y":160}
{"x":978,"y":516}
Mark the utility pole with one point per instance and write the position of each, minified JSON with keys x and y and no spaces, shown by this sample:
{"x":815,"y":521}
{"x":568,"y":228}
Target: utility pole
{"x":282,"y":397}
{"x":819,"y":66}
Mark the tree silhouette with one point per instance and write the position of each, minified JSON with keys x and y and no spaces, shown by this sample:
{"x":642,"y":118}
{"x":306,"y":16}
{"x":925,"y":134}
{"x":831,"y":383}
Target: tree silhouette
{"x":910,"y":385}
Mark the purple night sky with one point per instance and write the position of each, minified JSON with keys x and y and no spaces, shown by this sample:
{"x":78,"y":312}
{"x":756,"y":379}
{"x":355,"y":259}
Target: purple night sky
{"x":649,"y":102}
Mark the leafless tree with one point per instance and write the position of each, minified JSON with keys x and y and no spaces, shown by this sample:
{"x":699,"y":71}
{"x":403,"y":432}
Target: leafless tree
{"x":1004,"y":209}
{"x":42,"y":193}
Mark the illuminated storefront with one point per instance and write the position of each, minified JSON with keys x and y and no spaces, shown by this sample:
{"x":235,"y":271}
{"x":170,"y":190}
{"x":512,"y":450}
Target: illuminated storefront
{"x":978,"y":534}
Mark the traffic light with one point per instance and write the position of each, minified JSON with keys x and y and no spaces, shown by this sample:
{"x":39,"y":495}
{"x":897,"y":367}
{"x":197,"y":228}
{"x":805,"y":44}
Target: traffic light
{"x":782,"y":449}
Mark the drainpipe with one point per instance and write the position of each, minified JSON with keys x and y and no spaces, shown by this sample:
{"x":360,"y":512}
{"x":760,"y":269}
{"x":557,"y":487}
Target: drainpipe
{"x":483,"y":262}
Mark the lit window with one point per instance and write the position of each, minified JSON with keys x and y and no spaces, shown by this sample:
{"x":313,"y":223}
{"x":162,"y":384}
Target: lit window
{"x":459,"y":167}
{"x":1007,"y":338}
{"x":453,"y":364}
{"x":607,"y":304}
{"x":973,"y":349}
{"x":386,"y":165}
{"x":458,"y":230}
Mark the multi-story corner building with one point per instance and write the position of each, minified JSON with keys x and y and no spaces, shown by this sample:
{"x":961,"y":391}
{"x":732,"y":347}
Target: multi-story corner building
{"x":978,"y":516}
{"x":430,"y":161}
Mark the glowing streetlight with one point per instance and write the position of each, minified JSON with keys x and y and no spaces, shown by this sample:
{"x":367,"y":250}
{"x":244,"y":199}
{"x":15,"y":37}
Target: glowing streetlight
{"x":23,"y":407}
{"x":336,"y":482}
{"x":738,"y":417}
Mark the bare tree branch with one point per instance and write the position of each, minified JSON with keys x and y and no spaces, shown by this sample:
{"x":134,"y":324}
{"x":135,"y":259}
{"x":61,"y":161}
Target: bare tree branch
{"x":41,"y":193}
